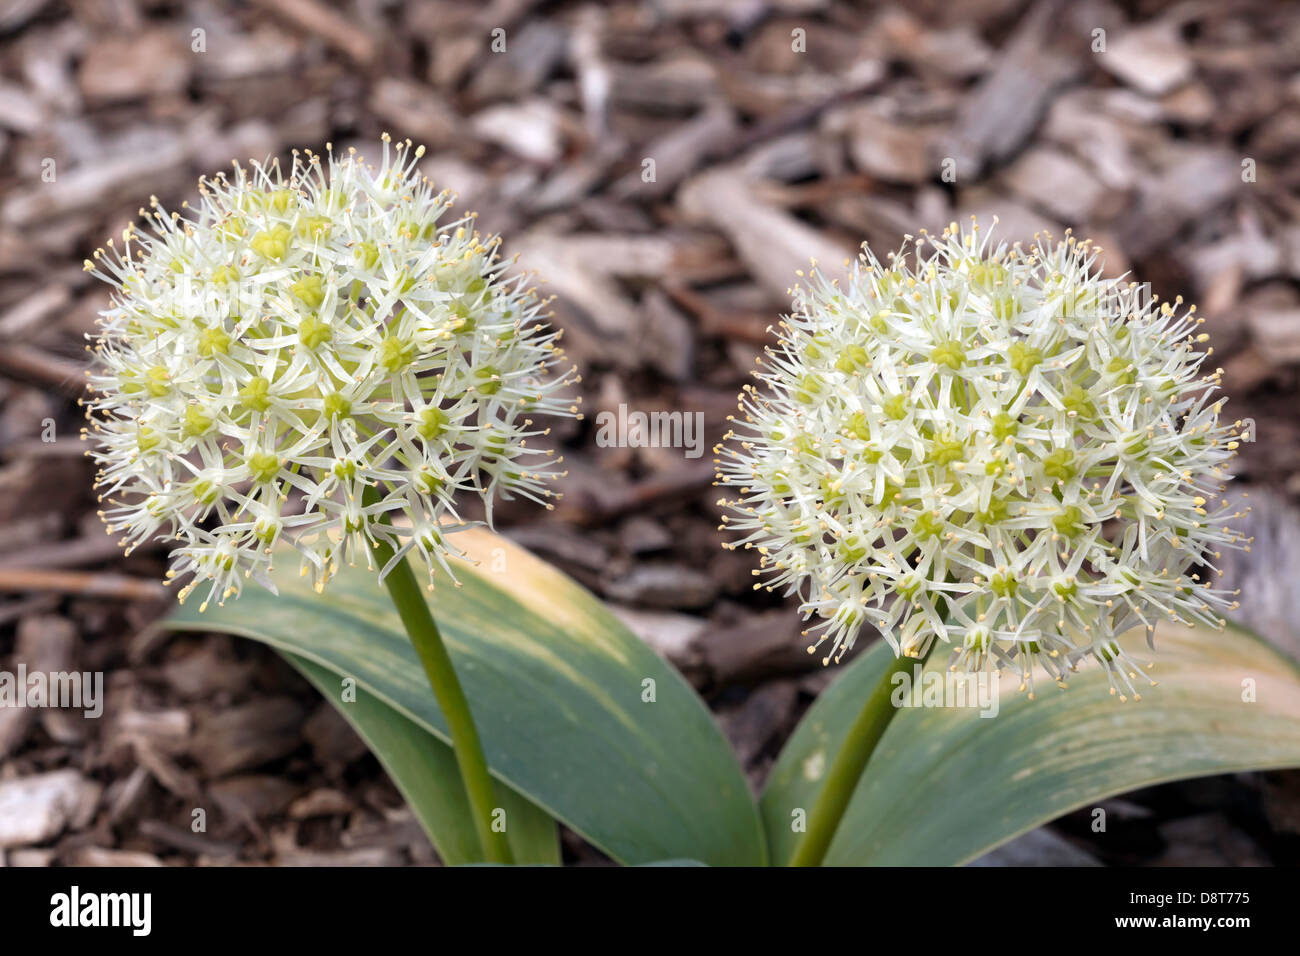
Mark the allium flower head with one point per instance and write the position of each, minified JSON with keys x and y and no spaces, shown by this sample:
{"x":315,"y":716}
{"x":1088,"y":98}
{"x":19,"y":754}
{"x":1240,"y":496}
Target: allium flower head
{"x":299,"y":340}
{"x":994,"y":447}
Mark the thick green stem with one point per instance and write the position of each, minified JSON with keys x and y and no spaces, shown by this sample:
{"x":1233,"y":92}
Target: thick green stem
{"x":844,"y":774}
{"x":408,"y":597}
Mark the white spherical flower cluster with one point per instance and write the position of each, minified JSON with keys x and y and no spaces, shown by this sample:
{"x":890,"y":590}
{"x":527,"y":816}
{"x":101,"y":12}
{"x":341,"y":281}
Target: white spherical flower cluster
{"x":994,"y":447}
{"x":308,"y":357}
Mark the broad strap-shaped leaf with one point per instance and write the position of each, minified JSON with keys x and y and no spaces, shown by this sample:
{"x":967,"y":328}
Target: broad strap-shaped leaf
{"x":946,"y":785}
{"x":575,"y":712}
{"x":425,"y":771}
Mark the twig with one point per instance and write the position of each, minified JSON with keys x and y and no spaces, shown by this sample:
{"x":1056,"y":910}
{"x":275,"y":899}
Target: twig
{"x":65,"y":554}
{"x":31,"y":311}
{"x":744,"y":326}
{"x":12,"y":611}
{"x":35,"y":448}
{"x":81,"y":583}
{"x":34,"y":365}
{"x":326,"y":24}
{"x":680,"y":482}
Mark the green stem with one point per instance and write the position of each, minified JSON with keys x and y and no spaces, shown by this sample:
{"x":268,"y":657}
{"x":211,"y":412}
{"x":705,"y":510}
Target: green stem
{"x":846,"y":771}
{"x":408,"y":597}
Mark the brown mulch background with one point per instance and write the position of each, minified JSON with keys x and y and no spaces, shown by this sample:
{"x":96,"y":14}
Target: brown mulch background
{"x":762,"y":157}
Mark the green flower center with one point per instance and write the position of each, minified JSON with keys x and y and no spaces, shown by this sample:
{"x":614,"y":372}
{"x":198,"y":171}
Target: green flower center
{"x":255,"y":395}
{"x":1060,"y":465}
{"x":1024,"y":358}
{"x":433,"y":422}
{"x":309,"y":289}
{"x":313,"y":333}
{"x":948,"y":354}
{"x":851,"y":359}
{"x":1069,"y":521}
{"x":157,"y":381}
{"x":487,"y":380}
{"x":195,"y":422}
{"x":213,"y":341}
{"x":263,"y":466}
{"x":271,"y":243}
{"x":1003,"y":584}
{"x":337,"y":406}
{"x":396,"y":353}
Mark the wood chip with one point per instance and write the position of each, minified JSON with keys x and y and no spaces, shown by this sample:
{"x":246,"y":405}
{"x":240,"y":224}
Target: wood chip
{"x":330,"y":26}
{"x":1150,"y":58}
{"x":28,"y":314}
{"x":38,"y":808}
{"x":672,"y":586}
{"x":102,"y":856}
{"x":106,"y":585}
{"x":672,"y":635}
{"x":19,"y":110}
{"x":765,"y":713}
{"x":758,"y":646}
{"x":1278,"y":334}
{"x":773,"y":244}
{"x":250,"y":797}
{"x":249,"y":736}
{"x":323,"y":802}
{"x":1187,"y":183}
{"x":148,"y":63}
{"x":26,"y":363}
{"x":532,"y":130}
{"x":1062,"y":186}
{"x":891,"y":151}
{"x":187,"y":841}
{"x":1005,"y":108}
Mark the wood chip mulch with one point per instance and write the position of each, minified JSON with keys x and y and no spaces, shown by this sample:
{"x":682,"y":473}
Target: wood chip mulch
{"x":666,"y":165}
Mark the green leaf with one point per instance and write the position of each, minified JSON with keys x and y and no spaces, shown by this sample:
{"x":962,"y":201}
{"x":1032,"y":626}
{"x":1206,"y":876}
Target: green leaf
{"x":945,"y":785}
{"x":556,"y":686}
{"x":654,"y":864}
{"x":675,"y":863}
{"x":425,"y":771}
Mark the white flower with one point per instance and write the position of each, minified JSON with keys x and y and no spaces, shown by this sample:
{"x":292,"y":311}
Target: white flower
{"x":313,"y":337}
{"x":996,"y":448}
